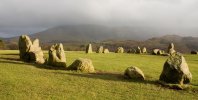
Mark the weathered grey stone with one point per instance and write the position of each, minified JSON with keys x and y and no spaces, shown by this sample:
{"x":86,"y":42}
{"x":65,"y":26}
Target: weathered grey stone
{"x":134,"y":73}
{"x":120,"y":50}
{"x":36,"y":53}
{"x":144,"y":50}
{"x":171,"y":48}
{"x":89,"y":48}
{"x":30,"y":52}
{"x":83,"y":65}
{"x":139,"y":51}
{"x":160,"y":52}
{"x":194,"y":52}
{"x":175,"y":70}
{"x":24,"y":46}
{"x":155,"y":51}
{"x":106,"y":50}
{"x":100,"y":49}
{"x":57,"y":56}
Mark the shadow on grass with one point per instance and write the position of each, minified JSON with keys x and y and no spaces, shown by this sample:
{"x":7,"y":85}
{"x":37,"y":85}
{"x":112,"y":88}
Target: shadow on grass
{"x":194,"y":84}
{"x":17,"y":61}
{"x":12,"y":59}
{"x":110,"y":76}
{"x":14,"y":54}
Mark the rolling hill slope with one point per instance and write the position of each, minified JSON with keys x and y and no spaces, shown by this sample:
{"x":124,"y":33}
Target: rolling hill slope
{"x":92,"y":33}
{"x":75,"y":37}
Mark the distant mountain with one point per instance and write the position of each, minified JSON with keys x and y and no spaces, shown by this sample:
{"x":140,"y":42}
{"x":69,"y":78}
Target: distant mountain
{"x":76,"y":36}
{"x":92,"y":33}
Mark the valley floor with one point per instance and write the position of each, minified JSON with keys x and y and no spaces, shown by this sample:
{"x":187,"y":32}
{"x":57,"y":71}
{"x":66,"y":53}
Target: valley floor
{"x":20,"y":80}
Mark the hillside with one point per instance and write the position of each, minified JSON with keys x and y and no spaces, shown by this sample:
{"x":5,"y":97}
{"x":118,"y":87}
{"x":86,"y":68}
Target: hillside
{"x":92,"y":33}
{"x":182,"y":44}
{"x":75,"y":37}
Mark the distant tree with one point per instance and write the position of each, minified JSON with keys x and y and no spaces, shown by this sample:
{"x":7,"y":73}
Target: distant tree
{"x":1,"y":44}
{"x":12,"y":46}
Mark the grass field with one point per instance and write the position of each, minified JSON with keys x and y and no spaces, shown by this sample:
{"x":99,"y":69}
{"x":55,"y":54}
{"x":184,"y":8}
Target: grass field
{"x":19,"y":80}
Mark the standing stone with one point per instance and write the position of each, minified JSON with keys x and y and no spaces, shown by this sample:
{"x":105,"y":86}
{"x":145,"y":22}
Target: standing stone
{"x":24,"y":46}
{"x":175,"y":70}
{"x":57,"y":56}
{"x":89,"y":48}
{"x":138,"y":51}
{"x":171,"y":48}
{"x":106,"y":51}
{"x":100,"y":49}
{"x":134,"y":73}
{"x":194,"y":52}
{"x":120,"y":50}
{"x":83,"y":65}
{"x":36,"y":53}
{"x":30,"y":52}
{"x":144,"y":50}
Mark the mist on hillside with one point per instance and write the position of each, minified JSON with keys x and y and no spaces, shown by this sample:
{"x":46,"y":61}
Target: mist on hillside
{"x":148,"y":17}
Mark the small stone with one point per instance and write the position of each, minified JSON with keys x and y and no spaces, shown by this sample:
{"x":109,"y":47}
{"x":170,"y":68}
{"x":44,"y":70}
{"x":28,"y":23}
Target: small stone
{"x":89,"y":48}
{"x":134,"y":73}
{"x":139,"y":51}
{"x":83,"y":65}
{"x":120,"y":50}
{"x":144,"y":50}
{"x":100,"y":49}
{"x":171,"y":48}
{"x":106,"y":51}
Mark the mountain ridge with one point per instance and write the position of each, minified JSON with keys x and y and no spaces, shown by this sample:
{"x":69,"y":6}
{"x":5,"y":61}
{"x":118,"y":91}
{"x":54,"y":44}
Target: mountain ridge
{"x":92,"y":33}
{"x":77,"y":37}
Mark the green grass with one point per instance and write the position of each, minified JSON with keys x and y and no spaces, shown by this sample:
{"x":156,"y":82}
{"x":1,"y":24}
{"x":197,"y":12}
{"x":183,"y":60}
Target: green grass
{"x":19,"y":80}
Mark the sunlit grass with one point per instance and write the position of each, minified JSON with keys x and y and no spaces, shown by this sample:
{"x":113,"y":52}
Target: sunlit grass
{"x":19,"y":80}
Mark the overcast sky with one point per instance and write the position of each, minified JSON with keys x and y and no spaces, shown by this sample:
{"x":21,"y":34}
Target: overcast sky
{"x":29,"y":16}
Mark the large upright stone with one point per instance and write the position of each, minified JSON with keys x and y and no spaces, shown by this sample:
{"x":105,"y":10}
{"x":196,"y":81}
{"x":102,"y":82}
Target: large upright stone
{"x":30,"y":52}
{"x":120,"y":50}
{"x":36,"y":53}
{"x":175,"y":70}
{"x":89,"y":48}
{"x":100,"y":49}
{"x":57,"y":56}
{"x":24,"y":46}
{"x":171,"y":48}
{"x":83,"y":65}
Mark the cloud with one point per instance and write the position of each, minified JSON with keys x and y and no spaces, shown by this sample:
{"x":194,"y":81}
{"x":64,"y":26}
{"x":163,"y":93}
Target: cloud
{"x":178,"y":16}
